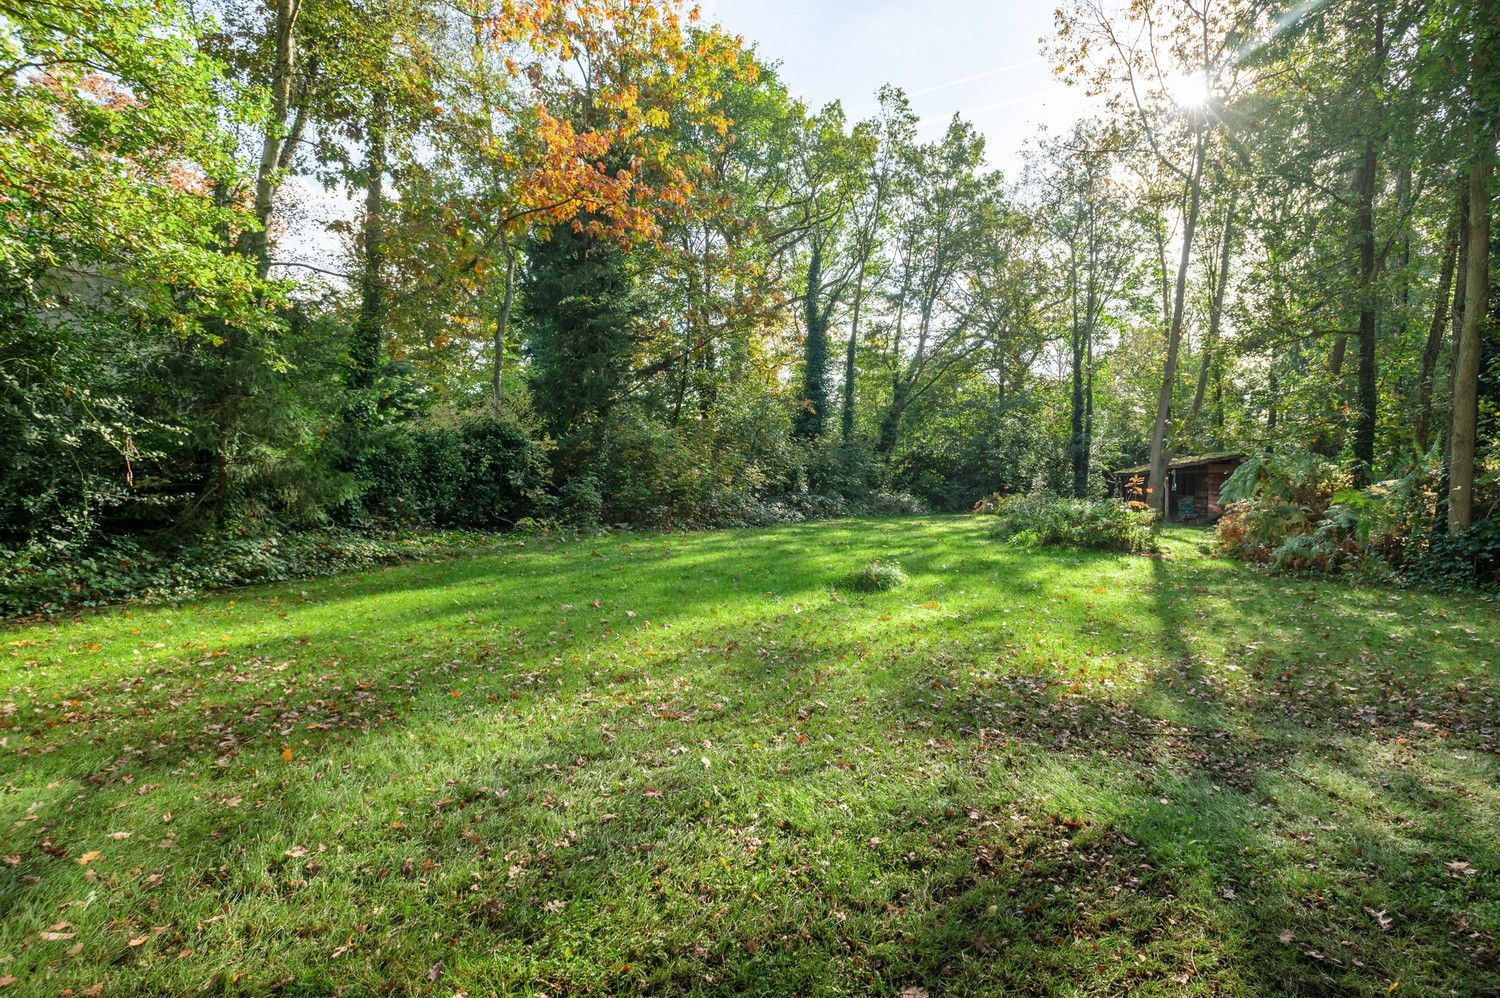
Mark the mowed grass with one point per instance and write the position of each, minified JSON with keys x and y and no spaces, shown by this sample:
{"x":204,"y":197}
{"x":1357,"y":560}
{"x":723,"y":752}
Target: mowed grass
{"x":704,"y":763}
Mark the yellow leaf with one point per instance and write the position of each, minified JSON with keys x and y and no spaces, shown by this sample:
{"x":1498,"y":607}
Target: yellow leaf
{"x":286,"y":753}
{"x":89,"y":857}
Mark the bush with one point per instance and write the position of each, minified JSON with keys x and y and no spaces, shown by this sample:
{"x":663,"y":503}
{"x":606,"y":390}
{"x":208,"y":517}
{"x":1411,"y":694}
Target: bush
{"x":45,"y":578}
{"x":482,"y":473}
{"x":1296,"y":514}
{"x":1274,"y":498}
{"x":1099,"y":524}
{"x":1469,"y":559}
{"x":879,"y":577}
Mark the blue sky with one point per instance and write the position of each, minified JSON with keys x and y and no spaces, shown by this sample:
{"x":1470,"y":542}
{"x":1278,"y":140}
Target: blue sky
{"x":978,"y":57}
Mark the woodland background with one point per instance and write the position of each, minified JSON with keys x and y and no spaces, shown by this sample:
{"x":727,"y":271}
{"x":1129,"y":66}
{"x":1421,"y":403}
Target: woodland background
{"x":606,"y":270}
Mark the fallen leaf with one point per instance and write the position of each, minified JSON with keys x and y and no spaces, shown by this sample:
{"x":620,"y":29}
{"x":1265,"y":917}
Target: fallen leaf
{"x":140,"y":940}
{"x":89,"y":857}
{"x":554,"y":906}
{"x":295,"y":852}
{"x":1286,"y":936}
{"x":286,"y":753}
{"x":119,"y":836}
{"x":435,"y":971}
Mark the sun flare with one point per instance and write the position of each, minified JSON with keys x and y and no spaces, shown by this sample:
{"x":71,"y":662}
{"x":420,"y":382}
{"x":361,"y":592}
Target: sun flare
{"x":1187,"y":90}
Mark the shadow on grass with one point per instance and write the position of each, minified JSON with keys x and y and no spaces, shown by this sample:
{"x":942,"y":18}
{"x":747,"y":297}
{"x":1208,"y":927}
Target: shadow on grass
{"x":801,"y":798}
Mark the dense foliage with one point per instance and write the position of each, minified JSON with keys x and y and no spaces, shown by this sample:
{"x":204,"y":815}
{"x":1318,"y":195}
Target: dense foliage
{"x":1098,"y":524}
{"x":1298,"y":514}
{"x":592,"y":263}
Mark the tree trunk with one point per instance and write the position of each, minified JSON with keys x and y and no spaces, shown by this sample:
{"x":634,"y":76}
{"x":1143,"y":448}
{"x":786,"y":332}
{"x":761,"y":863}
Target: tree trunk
{"x":846,"y":418}
{"x":1460,"y":288}
{"x":1435,"y":336}
{"x":890,"y":422}
{"x":1367,"y":395}
{"x":255,"y":242}
{"x":1088,"y":409}
{"x":1273,"y":392}
{"x":809,"y":420}
{"x":502,"y":325}
{"x":1215,"y":318}
{"x":1466,"y":370}
{"x":1075,"y":409}
{"x":1336,"y":355}
{"x":369,"y":328}
{"x":1158,"y":480}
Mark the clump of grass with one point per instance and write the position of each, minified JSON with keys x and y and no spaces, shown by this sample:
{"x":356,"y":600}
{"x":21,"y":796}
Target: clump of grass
{"x":879,"y":577}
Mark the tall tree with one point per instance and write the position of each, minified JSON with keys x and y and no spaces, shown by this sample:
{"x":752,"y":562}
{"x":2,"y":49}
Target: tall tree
{"x":1168,"y":68}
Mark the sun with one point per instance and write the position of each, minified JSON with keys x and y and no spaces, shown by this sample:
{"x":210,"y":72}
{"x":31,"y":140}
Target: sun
{"x":1187,"y":90}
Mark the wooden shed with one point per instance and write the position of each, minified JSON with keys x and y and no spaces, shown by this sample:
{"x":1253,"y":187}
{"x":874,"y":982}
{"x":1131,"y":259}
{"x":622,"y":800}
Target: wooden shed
{"x":1193,"y":484}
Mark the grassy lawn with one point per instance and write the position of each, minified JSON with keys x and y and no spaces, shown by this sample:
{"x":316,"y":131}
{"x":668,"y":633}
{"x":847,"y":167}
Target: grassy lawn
{"x":698,"y":763}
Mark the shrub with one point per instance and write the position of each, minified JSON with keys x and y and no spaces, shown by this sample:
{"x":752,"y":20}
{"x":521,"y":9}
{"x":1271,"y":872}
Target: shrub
{"x":1468,"y":559}
{"x":44,"y":578}
{"x":481,"y":473}
{"x":879,"y":577}
{"x":1099,"y":524}
{"x":1273,"y":498}
{"x":1297,"y":515}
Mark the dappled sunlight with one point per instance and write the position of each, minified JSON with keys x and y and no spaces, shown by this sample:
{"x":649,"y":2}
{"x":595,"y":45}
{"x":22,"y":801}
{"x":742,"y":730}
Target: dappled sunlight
{"x":1062,"y":757}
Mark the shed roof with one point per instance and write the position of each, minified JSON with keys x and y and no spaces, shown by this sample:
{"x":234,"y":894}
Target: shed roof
{"x":1184,"y":462}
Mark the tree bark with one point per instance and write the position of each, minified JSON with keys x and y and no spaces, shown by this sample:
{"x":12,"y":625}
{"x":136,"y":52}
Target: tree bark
{"x":846,"y":416}
{"x":502,"y":325}
{"x":1076,"y":450}
{"x":809,"y":420}
{"x":1158,"y":480}
{"x":369,"y":329}
{"x":1273,"y":392}
{"x":890,"y":422}
{"x":1435,"y":336}
{"x":1215,"y":318}
{"x":1460,"y":288}
{"x":1466,"y":370}
{"x":1336,"y":355}
{"x":1367,"y":394}
{"x":277,"y":139}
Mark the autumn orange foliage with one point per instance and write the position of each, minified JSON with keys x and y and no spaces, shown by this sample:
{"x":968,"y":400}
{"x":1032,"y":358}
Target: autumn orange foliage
{"x":609,"y":80}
